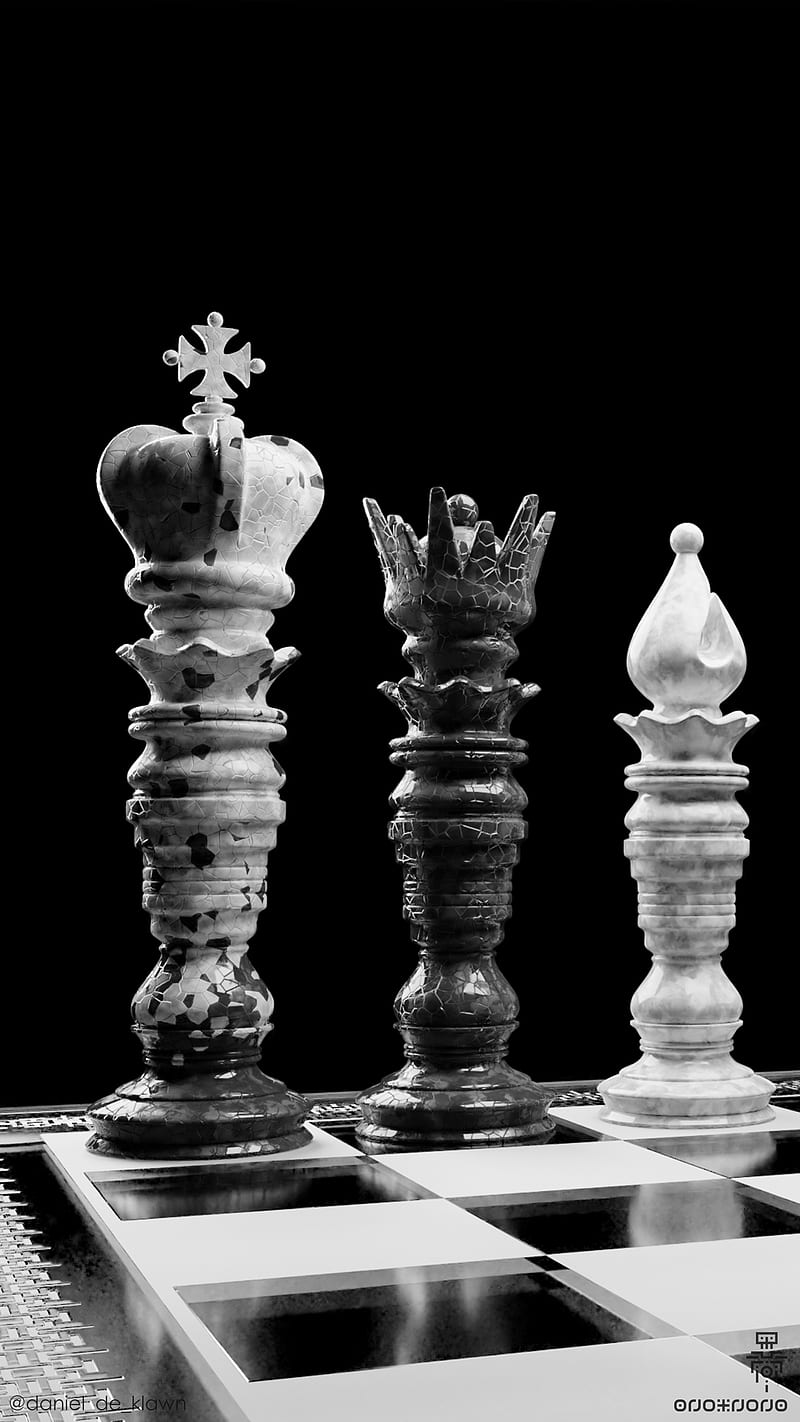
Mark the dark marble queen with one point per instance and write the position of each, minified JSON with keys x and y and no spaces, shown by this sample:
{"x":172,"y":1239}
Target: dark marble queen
{"x":459,"y":594}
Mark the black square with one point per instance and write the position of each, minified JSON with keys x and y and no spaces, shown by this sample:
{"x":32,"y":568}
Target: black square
{"x":734,"y":1153}
{"x":381,"y":1319}
{"x":626,"y":1217}
{"x":249,"y":1186}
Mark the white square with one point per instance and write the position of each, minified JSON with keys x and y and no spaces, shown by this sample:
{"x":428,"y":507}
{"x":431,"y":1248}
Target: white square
{"x":713,"y":1287}
{"x":780,"y":1187}
{"x":527,"y":1170}
{"x":612,"y":1382}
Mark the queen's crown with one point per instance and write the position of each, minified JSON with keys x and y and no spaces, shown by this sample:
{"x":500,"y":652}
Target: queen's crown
{"x":459,"y":568}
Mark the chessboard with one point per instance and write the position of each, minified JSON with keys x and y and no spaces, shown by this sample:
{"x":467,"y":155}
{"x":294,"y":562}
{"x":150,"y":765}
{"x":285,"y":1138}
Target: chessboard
{"x":609,"y":1273}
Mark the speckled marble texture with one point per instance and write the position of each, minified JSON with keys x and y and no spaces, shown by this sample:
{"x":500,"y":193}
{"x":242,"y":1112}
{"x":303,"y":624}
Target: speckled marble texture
{"x":686,"y":849}
{"x":459,"y":593}
{"x":211,"y":517}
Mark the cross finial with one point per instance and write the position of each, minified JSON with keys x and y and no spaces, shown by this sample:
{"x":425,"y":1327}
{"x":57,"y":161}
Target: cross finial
{"x":214,"y":361}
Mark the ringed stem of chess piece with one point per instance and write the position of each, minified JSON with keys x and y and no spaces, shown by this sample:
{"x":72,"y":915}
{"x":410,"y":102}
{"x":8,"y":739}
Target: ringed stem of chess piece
{"x":211,"y":517}
{"x":459,"y":594}
{"x":686,"y":848}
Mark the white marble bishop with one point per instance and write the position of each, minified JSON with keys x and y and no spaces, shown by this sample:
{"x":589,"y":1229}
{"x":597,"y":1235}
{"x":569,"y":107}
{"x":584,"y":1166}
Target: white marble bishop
{"x":686,"y":848}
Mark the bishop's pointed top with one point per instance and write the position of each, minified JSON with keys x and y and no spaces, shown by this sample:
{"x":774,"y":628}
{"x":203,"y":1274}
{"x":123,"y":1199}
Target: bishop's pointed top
{"x":686,"y":654}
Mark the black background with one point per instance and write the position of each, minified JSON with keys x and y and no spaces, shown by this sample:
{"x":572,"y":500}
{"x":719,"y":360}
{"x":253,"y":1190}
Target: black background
{"x":505,"y":249}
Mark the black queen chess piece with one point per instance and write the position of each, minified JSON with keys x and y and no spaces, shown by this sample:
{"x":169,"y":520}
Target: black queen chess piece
{"x":211,"y":517}
{"x":460,"y":595}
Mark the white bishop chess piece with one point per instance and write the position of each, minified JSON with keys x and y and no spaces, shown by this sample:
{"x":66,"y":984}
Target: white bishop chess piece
{"x":686,"y":848}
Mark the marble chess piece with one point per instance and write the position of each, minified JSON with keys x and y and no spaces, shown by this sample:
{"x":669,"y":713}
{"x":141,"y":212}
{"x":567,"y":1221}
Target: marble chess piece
{"x":686,"y":848}
{"x":459,"y":594}
{"x":211,"y":516}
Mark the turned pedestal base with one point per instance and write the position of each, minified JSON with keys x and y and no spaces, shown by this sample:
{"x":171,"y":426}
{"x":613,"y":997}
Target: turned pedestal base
{"x":674,"y":1094}
{"x":201,"y":1115}
{"x":421,"y":1107}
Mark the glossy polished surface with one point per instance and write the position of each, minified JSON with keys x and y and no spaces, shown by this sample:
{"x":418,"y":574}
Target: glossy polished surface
{"x":472,"y":1299}
{"x":769,"y":1153}
{"x":686,"y":851}
{"x":673,"y":1213}
{"x":211,"y":517}
{"x":419,"y":1317}
{"x":460,"y":594}
{"x":559,"y":1134}
{"x":257,"y":1185}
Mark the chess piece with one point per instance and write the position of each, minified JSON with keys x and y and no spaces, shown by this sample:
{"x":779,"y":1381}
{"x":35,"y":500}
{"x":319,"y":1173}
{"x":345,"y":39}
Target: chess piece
{"x":211,"y":516}
{"x":687,"y":847}
{"x":459,"y":594}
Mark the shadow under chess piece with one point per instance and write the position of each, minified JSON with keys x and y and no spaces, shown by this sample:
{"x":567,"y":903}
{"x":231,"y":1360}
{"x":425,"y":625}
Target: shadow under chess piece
{"x":459,"y":594}
{"x":686,"y":849}
{"x":211,"y":517}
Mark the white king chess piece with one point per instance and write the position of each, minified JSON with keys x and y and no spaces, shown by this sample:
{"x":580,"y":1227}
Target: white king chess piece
{"x":211,"y":516}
